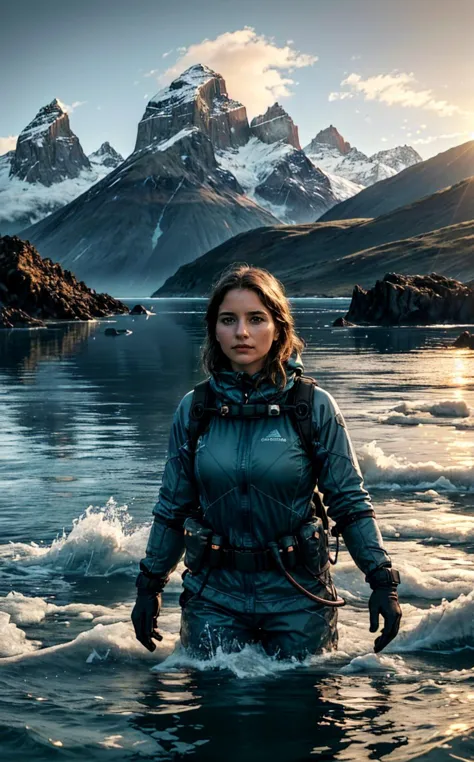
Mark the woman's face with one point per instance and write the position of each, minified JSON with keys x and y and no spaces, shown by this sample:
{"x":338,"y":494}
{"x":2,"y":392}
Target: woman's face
{"x":245,"y":330}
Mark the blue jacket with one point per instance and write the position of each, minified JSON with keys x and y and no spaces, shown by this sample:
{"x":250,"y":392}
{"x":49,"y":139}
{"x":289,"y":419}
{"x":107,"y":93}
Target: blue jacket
{"x":254,"y":480}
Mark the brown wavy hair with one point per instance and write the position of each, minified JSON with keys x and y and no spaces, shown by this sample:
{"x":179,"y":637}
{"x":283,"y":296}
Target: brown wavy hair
{"x":272,"y":294}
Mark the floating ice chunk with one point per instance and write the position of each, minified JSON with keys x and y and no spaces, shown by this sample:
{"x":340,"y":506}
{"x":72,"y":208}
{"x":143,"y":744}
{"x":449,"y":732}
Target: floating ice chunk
{"x":444,"y":627}
{"x":417,"y":413}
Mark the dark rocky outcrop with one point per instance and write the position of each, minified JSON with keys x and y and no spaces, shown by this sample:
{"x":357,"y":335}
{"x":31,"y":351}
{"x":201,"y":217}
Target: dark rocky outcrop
{"x":412,"y":299}
{"x":106,"y":156}
{"x":47,"y":150}
{"x":274,"y":125}
{"x":464,"y":341}
{"x":10,"y":317}
{"x":331,"y":137}
{"x":41,"y":289}
{"x":197,"y":98}
{"x":415,"y":182}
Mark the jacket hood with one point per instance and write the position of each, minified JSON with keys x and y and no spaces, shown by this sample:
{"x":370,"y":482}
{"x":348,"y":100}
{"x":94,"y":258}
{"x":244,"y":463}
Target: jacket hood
{"x":231,"y":385}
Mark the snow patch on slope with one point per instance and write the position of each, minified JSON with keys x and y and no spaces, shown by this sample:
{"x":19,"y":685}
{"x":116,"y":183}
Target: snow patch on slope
{"x":31,"y":202}
{"x":252,"y":163}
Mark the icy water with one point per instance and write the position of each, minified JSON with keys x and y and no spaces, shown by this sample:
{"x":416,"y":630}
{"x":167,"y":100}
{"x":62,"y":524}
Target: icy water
{"x":84,"y":426}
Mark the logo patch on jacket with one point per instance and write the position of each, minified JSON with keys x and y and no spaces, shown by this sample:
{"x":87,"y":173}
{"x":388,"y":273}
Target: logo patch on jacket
{"x":273,"y":436}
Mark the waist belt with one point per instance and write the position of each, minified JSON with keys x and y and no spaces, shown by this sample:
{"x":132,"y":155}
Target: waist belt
{"x":245,"y":560}
{"x":249,"y":560}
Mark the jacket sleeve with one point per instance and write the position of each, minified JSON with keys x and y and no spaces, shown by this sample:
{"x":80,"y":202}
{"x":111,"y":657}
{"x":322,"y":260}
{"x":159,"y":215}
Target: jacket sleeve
{"x":341,"y":483}
{"x":177,"y":498}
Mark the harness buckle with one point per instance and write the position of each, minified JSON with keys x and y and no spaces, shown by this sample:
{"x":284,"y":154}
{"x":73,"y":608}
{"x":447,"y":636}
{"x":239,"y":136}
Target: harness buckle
{"x":273,"y":410}
{"x":224,"y":410}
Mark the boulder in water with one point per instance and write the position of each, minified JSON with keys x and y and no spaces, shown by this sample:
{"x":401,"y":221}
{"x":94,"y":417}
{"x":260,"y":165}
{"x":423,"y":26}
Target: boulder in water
{"x":464,"y":341}
{"x":341,"y":322}
{"x":139,"y":309}
{"x":117,"y":332}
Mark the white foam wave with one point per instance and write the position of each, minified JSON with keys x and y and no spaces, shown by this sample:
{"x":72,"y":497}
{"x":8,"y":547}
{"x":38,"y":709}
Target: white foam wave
{"x":445,"y":627}
{"x":13,"y":641}
{"x":428,"y":582}
{"x":436,"y":526}
{"x":389,"y":665}
{"x":103,"y":642}
{"x":251,"y":661}
{"x":398,"y":473}
{"x":98,"y":543}
{"x":24,"y":610}
{"x":444,"y":412}
{"x":441,"y":409}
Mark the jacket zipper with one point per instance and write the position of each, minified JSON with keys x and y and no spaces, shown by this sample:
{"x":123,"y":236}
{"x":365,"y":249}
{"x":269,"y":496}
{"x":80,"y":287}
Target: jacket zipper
{"x":248,"y":582}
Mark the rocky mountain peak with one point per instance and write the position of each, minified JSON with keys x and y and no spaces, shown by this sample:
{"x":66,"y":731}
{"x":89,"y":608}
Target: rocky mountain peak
{"x":197,"y":98}
{"x":331,"y":137}
{"x":106,"y":155}
{"x":47,"y":150}
{"x":398,"y":158}
{"x":274,"y":125}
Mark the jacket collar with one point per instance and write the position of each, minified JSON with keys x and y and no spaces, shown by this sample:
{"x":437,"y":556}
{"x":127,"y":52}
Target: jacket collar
{"x":234,"y":386}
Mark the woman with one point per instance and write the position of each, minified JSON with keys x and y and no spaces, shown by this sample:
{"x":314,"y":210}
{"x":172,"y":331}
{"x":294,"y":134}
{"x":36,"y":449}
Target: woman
{"x":240,"y":498}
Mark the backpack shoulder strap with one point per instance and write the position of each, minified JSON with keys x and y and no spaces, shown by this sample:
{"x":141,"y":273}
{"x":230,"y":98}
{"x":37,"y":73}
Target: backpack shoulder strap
{"x":302,"y":395}
{"x":199,"y":414}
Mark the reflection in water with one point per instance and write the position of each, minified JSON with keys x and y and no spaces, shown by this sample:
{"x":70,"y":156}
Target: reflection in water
{"x":21,"y":351}
{"x":214,"y":716}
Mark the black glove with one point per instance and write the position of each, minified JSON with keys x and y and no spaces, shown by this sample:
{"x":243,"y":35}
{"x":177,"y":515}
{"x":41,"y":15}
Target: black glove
{"x":146,"y":611}
{"x":384,"y":600}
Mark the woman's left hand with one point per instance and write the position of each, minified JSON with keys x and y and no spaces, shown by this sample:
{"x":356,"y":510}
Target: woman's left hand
{"x":384,"y":601}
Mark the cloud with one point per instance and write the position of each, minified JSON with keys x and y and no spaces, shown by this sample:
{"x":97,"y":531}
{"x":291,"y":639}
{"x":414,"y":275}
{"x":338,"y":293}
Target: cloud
{"x":356,"y":58}
{"x":384,"y":140}
{"x":254,"y":67}
{"x":168,"y":53}
{"x":69,"y":109}
{"x":8,"y":144}
{"x":340,"y":96}
{"x":433,"y":138}
{"x":397,"y":89}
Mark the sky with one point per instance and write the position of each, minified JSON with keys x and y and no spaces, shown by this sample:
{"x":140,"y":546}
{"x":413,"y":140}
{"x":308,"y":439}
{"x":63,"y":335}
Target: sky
{"x":384,"y":72}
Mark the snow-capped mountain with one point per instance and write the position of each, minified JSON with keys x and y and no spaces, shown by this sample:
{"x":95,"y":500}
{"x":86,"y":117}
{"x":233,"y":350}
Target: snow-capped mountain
{"x":275,"y":125}
{"x":197,"y":98}
{"x":106,"y":156}
{"x":47,"y":150}
{"x":330,"y":152}
{"x":47,"y":170}
{"x":398,"y":158}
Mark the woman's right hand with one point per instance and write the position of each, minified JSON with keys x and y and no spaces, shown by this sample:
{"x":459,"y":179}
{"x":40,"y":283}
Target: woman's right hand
{"x":144,"y":617}
{"x":147,"y":609}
